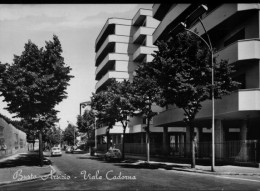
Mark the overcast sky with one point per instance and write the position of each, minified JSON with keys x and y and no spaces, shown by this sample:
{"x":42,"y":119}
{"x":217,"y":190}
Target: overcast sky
{"x":77,"y":26}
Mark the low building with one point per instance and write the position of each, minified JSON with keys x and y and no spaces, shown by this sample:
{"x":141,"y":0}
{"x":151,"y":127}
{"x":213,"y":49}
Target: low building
{"x":12,"y":140}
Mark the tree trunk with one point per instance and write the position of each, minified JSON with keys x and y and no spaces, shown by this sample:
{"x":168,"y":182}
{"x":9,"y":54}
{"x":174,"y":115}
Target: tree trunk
{"x":40,"y":148}
{"x":192,"y":137}
{"x":108,"y":136}
{"x":123,"y":144}
{"x":148,"y":140}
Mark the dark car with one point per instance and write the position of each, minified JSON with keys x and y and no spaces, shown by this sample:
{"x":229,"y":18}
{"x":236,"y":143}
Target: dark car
{"x":113,"y":154}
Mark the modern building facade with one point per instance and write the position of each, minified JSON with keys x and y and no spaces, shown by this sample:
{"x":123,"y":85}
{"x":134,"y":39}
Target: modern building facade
{"x":234,"y":30}
{"x":120,"y":47}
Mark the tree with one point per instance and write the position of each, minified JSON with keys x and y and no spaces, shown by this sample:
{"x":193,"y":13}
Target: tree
{"x":145,"y":93}
{"x":121,"y":101}
{"x":53,"y":136}
{"x":70,"y":134}
{"x":182,"y":69}
{"x":86,"y":123}
{"x":100,"y":103}
{"x":35,"y":83}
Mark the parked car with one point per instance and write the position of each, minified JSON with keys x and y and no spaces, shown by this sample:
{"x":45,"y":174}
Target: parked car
{"x":56,"y":151}
{"x":113,"y":154}
{"x":69,"y":149}
{"x":77,"y":150}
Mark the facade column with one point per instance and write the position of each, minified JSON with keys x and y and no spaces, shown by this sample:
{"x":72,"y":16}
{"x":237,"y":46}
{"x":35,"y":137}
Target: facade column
{"x":243,"y":136}
{"x":219,"y":139}
{"x":243,"y":131}
{"x":187,"y":143}
{"x":182,"y":144}
{"x":165,"y":141}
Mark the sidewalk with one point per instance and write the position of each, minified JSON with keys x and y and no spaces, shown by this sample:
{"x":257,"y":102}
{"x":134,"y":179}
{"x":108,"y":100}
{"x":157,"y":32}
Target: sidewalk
{"x":155,"y":163}
{"x":23,"y":167}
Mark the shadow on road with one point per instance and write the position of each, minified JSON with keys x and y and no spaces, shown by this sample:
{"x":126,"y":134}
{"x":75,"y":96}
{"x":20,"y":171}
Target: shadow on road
{"x":28,"y":159}
{"x":145,"y":165}
{"x":137,"y":164}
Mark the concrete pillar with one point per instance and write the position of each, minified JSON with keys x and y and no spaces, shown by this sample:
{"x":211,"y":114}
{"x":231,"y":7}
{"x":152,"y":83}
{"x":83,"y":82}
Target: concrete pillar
{"x":165,"y":141}
{"x":182,"y":144}
{"x":243,"y":136}
{"x":142,"y":138}
{"x":219,"y":139}
{"x":187,"y":143}
{"x":243,"y":131}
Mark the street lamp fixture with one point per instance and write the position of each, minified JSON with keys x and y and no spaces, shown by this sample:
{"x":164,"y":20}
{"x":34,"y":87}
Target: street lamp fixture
{"x":195,"y":15}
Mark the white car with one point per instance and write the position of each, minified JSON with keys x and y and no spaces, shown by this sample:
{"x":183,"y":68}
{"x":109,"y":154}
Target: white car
{"x":56,"y":151}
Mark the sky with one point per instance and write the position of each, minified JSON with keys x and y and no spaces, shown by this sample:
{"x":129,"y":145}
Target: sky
{"x":77,"y":27}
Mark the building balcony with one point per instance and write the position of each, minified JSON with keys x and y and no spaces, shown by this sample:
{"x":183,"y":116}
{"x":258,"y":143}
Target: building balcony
{"x":109,"y":28}
{"x":112,"y":39}
{"x":141,"y":33}
{"x":117,"y":129}
{"x":224,"y":13}
{"x":109,"y":59}
{"x":111,"y":75}
{"x":142,"y":52}
{"x":140,"y":16}
{"x":173,"y":14}
{"x":240,"y":50}
{"x":115,"y":47}
{"x":235,"y":106}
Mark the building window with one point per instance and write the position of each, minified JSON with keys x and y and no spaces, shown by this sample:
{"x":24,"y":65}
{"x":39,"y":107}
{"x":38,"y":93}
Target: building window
{"x":1,"y":131}
{"x":144,"y":120}
{"x":238,"y":36}
{"x":21,"y":143}
{"x":241,"y":78}
{"x":16,"y":141}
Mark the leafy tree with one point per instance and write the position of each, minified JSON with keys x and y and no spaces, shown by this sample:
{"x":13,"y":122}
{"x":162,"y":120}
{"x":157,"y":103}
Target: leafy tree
{"x":35,"y":83}
{"x":100,"y":103}
{"x":182,"y":69}
{"x":145,"y":93}
{"x":86,"y":123}
{"x":122,"y":104}
{"x":53,"y":136}
{"x":70,"y":134}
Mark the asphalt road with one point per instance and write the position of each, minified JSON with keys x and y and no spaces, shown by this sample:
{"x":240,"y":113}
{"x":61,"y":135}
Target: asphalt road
{"x":79,"y":172}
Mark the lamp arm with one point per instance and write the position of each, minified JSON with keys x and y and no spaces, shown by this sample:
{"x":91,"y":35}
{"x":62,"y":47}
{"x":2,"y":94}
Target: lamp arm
{"x":207,"y":35}
{"x":209,"y":46}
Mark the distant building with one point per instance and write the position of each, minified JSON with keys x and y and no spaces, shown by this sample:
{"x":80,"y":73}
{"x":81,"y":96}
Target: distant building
{"x":12,"y":140}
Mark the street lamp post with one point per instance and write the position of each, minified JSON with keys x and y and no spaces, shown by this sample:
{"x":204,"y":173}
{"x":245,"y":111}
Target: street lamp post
{"x":181,"y":27}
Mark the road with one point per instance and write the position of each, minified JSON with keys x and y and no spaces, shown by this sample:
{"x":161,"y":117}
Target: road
{"x":78,"y":171}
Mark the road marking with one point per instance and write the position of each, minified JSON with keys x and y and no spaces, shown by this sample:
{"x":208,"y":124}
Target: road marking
{"x":238,"y":178}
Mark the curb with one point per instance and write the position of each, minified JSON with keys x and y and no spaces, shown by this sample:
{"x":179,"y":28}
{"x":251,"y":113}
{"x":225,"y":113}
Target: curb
{"x":217,"y":173}
{"x":33,"y":179}
{"x":210,"y":173}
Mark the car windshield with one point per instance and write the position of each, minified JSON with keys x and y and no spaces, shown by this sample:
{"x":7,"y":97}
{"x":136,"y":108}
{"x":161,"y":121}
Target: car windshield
{"x":55,"y":149}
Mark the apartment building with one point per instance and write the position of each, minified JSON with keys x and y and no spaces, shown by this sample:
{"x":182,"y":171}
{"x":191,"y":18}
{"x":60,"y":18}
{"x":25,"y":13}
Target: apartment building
{"x":234,"y":30}
{"x":120,"y":47}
